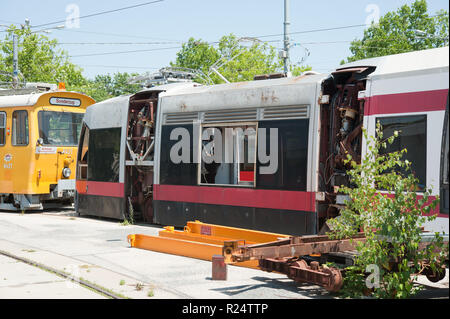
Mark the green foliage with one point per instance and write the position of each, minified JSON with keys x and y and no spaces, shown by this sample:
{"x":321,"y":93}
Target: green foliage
{"x":396,"y":33}
{"x":390,"y":219}
{"x":106,"y":86}
{"x":258,"y":58}
{"x":297,"y":70}
{"x":196,"y":54}
{"x":39,"y":58}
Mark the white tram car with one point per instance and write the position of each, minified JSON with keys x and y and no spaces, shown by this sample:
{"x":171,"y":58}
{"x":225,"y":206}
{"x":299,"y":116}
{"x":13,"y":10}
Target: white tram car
{"x":150,"y":153}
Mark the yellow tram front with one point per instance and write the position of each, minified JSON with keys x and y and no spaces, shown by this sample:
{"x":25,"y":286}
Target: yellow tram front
{"x":38,"y":148}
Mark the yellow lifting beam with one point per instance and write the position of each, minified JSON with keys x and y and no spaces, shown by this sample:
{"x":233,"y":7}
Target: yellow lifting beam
{"x":174,"y":246}
{"x":202,"y":241}
{"x":169,"y":232}
{"x":233,"y":233}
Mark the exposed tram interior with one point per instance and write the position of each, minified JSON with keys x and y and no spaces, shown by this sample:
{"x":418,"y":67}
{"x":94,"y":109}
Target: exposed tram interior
{"x":340,"y":135}
{"x":139,"y":156}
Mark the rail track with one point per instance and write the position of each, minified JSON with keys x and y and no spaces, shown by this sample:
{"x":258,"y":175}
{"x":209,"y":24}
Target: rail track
{"x":62,"y":274}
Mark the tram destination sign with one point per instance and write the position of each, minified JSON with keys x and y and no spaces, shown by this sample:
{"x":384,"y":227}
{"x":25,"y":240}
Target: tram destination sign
{"x":64,"y":101}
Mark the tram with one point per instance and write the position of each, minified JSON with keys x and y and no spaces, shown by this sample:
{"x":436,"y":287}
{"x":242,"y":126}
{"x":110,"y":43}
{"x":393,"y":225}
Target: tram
{"x":39,"y":132}
{"x":265,"y":154}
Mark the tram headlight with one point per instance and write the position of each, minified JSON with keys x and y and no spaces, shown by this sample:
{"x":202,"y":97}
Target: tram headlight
{"x":66,"y":172}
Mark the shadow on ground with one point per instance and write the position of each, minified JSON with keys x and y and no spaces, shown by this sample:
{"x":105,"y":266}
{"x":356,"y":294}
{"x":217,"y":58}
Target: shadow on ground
{"x":283,"y":284}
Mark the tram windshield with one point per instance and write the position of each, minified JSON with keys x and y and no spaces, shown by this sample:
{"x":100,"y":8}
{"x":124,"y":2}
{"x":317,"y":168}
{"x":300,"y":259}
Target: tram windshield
{"x":59,"y":128}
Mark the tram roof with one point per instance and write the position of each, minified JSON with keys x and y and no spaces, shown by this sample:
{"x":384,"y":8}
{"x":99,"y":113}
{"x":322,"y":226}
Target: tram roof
{"x":298,"y":80}
{"x":404,"y":62}
{"x":20,"y":100}
{"x":30,"y":99}
{"x":171,"y":87}
{"x":108,"y":113}
{"x":239,"y":95}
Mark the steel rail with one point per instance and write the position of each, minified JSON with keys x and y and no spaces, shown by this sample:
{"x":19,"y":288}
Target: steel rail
{"x":62,"y":274}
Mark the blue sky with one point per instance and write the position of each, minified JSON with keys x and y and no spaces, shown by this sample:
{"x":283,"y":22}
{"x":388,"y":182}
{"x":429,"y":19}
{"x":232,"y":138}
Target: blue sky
{"x":163,"y":26}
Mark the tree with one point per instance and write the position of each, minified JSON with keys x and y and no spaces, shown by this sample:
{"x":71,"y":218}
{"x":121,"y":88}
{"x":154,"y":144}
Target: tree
{"x":410,"y":28}
{"x":106,"y":86}
{"x":244,"y":62}
{"x":297,"y":70}
{"x":39,"y":58}
{"x":391,"y":223}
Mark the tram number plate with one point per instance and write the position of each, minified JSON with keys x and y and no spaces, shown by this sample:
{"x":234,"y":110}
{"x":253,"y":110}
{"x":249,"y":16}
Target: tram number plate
{"x":45,"y":150}
{"x":64,"y":101}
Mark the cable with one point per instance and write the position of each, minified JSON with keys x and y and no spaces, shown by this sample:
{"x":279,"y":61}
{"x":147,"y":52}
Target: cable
{"x":144,"y":50}
{"x":122,"y":52}
{"x":115,"y":43}
{"x":314,"y":30}
{"x":117,"y":35}
{"x":100,"y":13}
{"x":118,"y":66}
{"x":330,"y":29}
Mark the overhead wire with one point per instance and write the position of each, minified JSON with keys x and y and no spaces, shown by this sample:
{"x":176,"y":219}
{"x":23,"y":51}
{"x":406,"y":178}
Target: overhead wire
{"x":100,"y":13}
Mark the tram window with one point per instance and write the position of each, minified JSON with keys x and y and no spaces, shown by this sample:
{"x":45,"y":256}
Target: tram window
{"x":20,"y":128}
{"x":292,"y":155}
{"x":83,"y":153}
{"x":2,"y":128}
{"x":59,"y":128}
{"x":228,"y":155}
{"x":104,"y":155}
{"x":176,"y":173}
{"x":412,"y":135}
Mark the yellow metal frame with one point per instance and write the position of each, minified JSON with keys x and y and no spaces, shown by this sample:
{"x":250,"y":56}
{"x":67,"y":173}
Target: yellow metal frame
{"x":233,"y":233}
{"x":201,"y":241}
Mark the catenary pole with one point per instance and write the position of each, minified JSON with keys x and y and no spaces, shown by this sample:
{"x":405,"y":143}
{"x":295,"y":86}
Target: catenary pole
{"x":286,"y":37}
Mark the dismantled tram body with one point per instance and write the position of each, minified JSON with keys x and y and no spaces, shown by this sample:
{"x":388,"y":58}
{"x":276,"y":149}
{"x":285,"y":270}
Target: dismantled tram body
{"x":150,"y":154}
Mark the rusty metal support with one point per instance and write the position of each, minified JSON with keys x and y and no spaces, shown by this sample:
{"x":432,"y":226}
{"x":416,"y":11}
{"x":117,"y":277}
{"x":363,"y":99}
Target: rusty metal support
{"x":300,"y":271}
{"x":298,"y":246}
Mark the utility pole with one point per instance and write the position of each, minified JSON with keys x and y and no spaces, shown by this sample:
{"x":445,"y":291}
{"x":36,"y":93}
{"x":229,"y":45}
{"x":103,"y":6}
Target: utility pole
{"x":15,"y":61}
{"x":286,"y":37}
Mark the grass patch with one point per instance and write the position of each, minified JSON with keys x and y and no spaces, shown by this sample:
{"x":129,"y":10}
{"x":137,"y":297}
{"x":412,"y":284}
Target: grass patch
{"x":125,"y":223}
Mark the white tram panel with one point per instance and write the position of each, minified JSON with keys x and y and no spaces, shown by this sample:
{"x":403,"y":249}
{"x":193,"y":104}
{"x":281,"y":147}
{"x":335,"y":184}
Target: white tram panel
{"x":248,"y":101}
{"x":110,"y":114}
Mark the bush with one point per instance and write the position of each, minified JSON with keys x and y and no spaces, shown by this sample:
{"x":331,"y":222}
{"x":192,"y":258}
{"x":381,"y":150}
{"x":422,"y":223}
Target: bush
{"x":391,"y":220}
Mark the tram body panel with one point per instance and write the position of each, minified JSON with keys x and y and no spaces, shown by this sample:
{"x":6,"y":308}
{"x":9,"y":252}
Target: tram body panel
{"x":101,"y":161}
{"x":409,"y":93}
